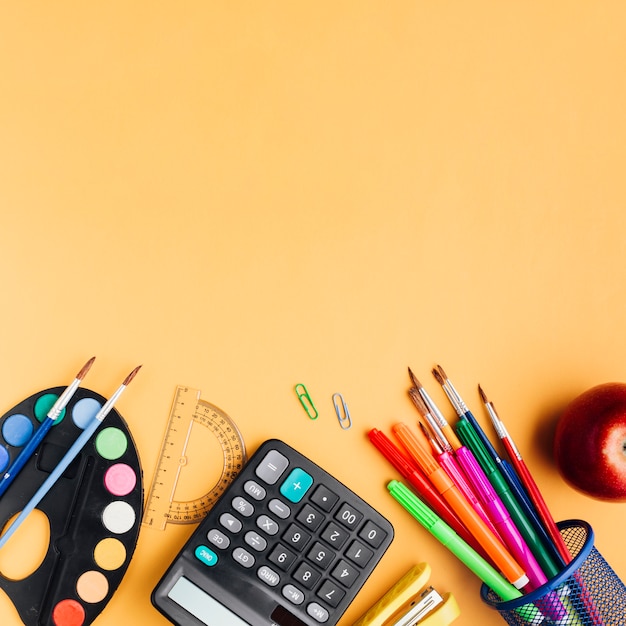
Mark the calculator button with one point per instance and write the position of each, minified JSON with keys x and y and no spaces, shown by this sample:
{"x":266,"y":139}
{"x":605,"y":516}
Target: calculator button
{"x":317,"y":612}
{"x":293,"y":594}
{"x":271,"y":468}
{"x":242,"y":506}
{"x":296,"y":485}
{"x":334,"y":535}
{"x":310,"y":517}
{"x":254,"y":490}
{"x":268,"y":576}
{"x":255,"y":541}
{"x":296,"y":537}
{"x":372,"y":534}
{"x":282,"y":557}
{"x":324,"y":498}
{"x":348,"y":516}
{"x":218,"y":538}
{"x":306,"y":575}
{"x":230,"y":522}
{"x":345,"y":573}
{"x":279,"y":508}
{"x":206,"y":555}
{"x":358,"y":553}
{"x":320,"y":555}
{"x":292,"y":533}
{"x":243,"y":557}
{"x":267,"y":524}
{"x":331,"y":593}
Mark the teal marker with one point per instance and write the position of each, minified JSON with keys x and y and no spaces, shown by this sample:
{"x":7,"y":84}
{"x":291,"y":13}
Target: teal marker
{"x":471,"y":440}
{"x":466,"y":554}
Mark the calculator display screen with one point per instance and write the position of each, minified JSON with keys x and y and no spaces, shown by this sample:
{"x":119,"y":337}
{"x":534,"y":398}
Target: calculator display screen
{"x":202,"y":606}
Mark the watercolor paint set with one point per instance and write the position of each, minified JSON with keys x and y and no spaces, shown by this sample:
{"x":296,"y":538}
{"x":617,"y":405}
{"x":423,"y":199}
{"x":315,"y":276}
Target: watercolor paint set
{"x":94,"y":509}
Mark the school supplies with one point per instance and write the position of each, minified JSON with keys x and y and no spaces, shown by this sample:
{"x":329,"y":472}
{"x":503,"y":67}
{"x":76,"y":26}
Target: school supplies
{"x":567,"y":595}
{"x":526,"y":478}
{"x":426,"y":490}
{"x":67,"y":458}
{"x":411,"y":602}
{"x":287,"y":543}
{"x":46,"y":424}
{"x":503,"y":559}
{"x":447,"y":537}
{"x":306,"y":401}
{"x":194,"y":427}
{"x":93,"y":510}
{"x":341,"y":411}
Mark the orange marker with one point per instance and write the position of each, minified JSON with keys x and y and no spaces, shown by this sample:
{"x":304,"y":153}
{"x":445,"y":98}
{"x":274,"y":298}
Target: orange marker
{"x":509,"y":567}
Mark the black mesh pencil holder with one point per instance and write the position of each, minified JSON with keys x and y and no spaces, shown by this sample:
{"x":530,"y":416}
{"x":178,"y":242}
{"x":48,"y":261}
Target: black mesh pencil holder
{"x":588,"y":591}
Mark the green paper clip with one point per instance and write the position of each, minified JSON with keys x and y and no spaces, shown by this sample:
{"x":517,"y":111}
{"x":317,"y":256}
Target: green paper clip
{"x":306,"y":401}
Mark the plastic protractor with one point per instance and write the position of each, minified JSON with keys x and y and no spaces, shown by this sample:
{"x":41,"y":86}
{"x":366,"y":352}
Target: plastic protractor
{"x":201,"y":453}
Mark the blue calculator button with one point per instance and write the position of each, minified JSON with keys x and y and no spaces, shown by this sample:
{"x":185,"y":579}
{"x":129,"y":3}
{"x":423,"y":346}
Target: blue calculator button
{"x":206,"y":555}
{"x":296,"y":485}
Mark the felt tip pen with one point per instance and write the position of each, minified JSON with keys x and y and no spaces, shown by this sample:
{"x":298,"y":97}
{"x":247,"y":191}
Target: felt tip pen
{"x":33,"y":443}
{"x":465,"y":416}
{"x":68,"y":457}
{"x":453,"y":469}
{"x":419,"y":482}
{"x":512,"y":524}
{"x":503,"y":560}
{"x":550,"y":604}
{"x":447,"y":537}
{"x":443,"y":445}
{"x":519,"y":496}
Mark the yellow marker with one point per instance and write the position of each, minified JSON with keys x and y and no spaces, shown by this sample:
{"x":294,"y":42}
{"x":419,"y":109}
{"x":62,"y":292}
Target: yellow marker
{"x":411,"y":602}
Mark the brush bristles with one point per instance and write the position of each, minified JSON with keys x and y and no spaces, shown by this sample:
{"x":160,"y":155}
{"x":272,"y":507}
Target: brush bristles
{"x":438,"y":377}
{"x":131,"y":376}
{"x":483,"y":395}
{"x":85,"y":368}
{"x":431,"y":438}
{"x":416,"y":383}
{"x":419,"y":403}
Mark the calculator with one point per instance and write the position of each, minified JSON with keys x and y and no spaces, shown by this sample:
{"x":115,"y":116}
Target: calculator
{"x":287,"y":544}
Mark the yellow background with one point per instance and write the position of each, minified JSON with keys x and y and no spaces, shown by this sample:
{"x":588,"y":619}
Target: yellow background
{"x":247,"y":195}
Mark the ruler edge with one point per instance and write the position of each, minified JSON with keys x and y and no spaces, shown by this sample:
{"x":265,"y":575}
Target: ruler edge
{"x":163,"y":520}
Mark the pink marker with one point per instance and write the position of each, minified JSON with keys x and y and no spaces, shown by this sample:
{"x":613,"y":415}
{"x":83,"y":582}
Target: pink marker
{"x":449,"y":464}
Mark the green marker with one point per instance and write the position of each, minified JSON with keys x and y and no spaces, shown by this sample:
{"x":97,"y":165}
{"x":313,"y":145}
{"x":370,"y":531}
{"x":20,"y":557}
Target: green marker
{"x":441,"y":531}
{"x":471,"y":440}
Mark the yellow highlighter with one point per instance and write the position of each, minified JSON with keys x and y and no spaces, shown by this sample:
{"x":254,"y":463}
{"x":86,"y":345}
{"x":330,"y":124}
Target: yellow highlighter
{"x":411,"y":602}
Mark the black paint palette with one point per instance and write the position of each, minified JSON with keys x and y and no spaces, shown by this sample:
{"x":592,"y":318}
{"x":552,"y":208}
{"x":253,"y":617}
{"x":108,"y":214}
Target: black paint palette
{"x":94,"y":510}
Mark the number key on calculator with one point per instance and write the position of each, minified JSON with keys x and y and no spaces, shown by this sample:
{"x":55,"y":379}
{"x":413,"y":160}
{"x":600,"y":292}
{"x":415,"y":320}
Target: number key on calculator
{"x":286,"y":545}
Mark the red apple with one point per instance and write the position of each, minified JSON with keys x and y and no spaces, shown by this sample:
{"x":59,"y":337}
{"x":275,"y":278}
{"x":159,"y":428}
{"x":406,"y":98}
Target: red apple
{"x":590,"y":442}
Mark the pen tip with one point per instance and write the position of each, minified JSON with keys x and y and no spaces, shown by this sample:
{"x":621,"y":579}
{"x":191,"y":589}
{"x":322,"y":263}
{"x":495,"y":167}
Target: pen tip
{"x":85,"y":368}
{"x":131,"y":376}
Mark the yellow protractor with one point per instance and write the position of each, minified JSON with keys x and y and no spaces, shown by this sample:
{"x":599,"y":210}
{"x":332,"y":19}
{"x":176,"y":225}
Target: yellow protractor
{"x":201,"y":453}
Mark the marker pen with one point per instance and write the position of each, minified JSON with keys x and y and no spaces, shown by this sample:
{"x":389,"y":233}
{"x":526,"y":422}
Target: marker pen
{"x":446,"y":536}
{"x":503,"y":560}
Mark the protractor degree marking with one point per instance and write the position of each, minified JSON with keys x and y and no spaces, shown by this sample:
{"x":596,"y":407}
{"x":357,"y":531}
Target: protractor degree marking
{"x":233,"y":450}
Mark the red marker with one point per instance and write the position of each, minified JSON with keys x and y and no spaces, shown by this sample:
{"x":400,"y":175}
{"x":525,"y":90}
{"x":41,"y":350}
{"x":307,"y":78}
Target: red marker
{"x":423,"y":487}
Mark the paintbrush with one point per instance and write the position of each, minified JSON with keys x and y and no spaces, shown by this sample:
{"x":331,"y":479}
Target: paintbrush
{"x":33,"y":443}
{"x":69,"y":456}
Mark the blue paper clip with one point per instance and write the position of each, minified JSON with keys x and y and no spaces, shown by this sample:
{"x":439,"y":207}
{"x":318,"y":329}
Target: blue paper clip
{"x":343,"y":415}
{"x":306,"y":401}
